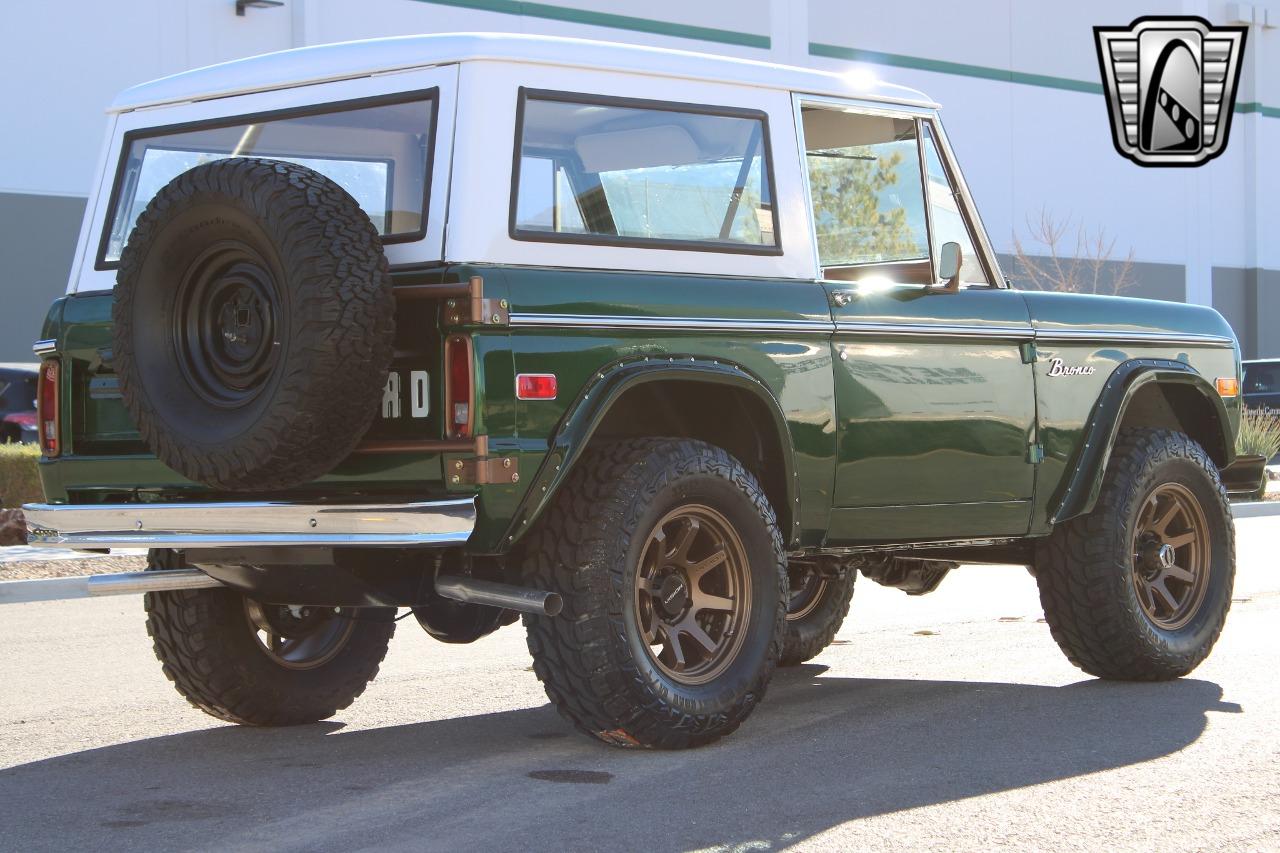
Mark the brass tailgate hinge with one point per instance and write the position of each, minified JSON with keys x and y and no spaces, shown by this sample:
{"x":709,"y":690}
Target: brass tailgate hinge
{"x":476,"y":309}
{"x":485,"y":470}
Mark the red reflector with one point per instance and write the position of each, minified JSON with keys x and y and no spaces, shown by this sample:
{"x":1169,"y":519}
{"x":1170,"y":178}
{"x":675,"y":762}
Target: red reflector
{"x":47,"y":421}
{"x":535,"y":386}
{"x":459,"y":414}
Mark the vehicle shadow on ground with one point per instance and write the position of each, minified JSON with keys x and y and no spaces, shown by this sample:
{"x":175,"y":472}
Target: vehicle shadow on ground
{"x":820,"y":752}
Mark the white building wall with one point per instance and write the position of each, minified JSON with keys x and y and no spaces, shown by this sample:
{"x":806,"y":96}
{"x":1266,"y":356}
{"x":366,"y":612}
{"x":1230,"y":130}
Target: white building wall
{"x":1018,"y":81}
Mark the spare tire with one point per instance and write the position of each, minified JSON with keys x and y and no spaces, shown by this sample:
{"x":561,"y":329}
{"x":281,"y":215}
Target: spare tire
{"x":254,"y":324}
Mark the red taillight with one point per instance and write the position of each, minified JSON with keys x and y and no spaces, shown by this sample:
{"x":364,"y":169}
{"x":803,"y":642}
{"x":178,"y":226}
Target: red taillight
{"x":535,"y":386}
{"x":459,"y":411}
{"x":47,"y":420}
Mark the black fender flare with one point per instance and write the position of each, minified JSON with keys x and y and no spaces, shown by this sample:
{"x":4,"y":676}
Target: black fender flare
{"x":1081,"y":492}
{"x":584,"y":416}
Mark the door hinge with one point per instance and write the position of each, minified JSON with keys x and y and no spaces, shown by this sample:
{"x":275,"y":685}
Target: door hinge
{"x":1027,"y":350}
{"x":1035,"y":454}
{"x":485,"y":470}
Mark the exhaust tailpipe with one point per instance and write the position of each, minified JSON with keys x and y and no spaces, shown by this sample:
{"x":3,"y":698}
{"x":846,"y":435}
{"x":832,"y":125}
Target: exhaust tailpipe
{"x":475,"y":591}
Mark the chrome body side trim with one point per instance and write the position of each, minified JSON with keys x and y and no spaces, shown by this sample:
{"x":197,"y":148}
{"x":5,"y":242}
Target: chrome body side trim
{"x":936,"y":330}
{"x":708,"y":324}
{"x":939,"y":330}
{"x":265,"y":524}
{"x":44,"y":347}
{"x":1172,"y":338}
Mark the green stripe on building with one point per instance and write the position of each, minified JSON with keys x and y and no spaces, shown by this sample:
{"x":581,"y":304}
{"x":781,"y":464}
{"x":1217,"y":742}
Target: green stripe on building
{"x":961,"y":69}
{"x":982,"y":72}
{"x":606,"y":19}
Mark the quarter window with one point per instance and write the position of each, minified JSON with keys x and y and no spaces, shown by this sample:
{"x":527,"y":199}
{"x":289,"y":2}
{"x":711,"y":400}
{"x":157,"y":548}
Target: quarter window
{"x":642,"y":173}
{"x":378,"y":153}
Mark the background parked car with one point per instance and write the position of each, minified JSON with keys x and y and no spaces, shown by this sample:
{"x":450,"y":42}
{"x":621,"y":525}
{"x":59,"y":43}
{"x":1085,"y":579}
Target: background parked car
{"x":1262,"y":384}
{"x":1262,"y":388}
{"x":18,"y":402}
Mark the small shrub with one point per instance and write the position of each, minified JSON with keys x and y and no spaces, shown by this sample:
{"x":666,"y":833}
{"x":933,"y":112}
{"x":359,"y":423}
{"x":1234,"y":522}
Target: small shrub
{"x":1259,"y":434}
{"x":19,"y":475}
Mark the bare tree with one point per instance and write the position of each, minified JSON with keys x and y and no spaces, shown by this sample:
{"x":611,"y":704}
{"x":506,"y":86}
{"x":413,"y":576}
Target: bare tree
{"x":1089,"y":269}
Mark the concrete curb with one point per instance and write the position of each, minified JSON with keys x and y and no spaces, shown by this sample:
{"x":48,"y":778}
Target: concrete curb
{"x":1255,"y":509}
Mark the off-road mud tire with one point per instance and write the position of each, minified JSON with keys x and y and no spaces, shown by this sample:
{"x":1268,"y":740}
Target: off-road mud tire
{"x":204,"y":641}
{"x":313,"y":367}
{"x":807,"y":636}
{"x":590,"y":658}
{"x":1085,"y":568}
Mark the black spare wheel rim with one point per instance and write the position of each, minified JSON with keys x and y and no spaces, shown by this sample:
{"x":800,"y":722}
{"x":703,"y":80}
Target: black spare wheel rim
{"x":693,"y":594}
{"x":226,"y":323}
{"x":1172,"y":555}
{"x":254,"y":324}
{"x":299,"y":637}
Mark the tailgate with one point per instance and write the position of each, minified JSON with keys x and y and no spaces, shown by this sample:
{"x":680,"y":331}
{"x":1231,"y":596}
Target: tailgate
{"x":103,"y":457}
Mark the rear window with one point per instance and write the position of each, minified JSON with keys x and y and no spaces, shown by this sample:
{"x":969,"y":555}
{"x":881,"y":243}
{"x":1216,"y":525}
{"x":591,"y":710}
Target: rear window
{"x":377,"y":149}
{"x":642,"y":173}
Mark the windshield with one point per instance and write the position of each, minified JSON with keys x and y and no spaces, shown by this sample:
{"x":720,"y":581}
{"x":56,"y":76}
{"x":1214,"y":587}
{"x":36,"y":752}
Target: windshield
{"x":379,"y":153}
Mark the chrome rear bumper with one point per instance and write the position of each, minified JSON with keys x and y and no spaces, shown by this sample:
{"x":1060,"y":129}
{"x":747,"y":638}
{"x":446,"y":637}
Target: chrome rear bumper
{"x":242,"y":524}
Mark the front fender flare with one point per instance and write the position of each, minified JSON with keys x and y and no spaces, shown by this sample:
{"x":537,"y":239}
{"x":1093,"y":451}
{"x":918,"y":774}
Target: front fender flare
{"x":1085,"y":483}
{"x":593,"y":403}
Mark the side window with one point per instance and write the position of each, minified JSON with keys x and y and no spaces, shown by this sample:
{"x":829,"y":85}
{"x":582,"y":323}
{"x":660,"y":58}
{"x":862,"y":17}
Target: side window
{"x":868,"y":195}
{"x":946,"y":215}
{"x":545,"y":197}
{"x":642,"y":173}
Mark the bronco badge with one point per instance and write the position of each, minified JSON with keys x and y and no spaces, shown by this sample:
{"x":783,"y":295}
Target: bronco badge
{"x":1058,"y":368}
{"x":1171,"y":86}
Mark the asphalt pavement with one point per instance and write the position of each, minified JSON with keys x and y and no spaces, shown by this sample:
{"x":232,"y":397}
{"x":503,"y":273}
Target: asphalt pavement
{"x":949,"y":722}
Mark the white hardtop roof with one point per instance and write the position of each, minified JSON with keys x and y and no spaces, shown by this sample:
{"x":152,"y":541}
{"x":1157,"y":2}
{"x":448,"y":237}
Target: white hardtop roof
{"x":351,"y":59}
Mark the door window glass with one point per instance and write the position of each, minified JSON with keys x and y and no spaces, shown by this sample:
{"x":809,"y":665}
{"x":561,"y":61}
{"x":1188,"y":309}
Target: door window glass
{"x":868,"y":196}
{"x":946,"y":215}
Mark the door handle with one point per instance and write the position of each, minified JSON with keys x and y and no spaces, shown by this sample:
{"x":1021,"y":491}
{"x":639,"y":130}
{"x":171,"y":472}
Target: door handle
{"x":841,"y":298}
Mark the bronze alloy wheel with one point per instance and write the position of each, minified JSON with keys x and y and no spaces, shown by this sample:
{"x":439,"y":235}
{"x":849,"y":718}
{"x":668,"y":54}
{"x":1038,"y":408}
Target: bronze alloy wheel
{"x":299,"y":637}
{"x":693,"y":594}
{"x":1171,"y":556}
{"x":807,"y":587}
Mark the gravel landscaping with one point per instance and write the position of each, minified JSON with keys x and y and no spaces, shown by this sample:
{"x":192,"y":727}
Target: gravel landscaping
{"x":106,"y":564}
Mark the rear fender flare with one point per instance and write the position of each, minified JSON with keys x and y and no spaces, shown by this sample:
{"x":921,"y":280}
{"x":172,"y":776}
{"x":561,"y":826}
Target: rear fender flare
{"x":593,"y":403}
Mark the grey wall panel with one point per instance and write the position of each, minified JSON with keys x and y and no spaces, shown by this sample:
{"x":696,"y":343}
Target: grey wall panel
{"x":37,"y":239}
{"x":1233,"y":298}
{"x":1268,"y":314}
{"x":1145,"y":281}
{"x":1250,"y":300}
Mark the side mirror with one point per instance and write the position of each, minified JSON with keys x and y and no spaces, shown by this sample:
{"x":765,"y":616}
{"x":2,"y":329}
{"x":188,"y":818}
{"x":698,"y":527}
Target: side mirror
{"x":949,"y":260}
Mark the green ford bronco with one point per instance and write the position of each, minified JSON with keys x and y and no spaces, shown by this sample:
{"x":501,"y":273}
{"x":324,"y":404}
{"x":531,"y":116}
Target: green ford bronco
{"x":658,"y":349}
